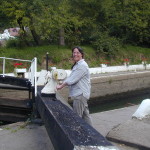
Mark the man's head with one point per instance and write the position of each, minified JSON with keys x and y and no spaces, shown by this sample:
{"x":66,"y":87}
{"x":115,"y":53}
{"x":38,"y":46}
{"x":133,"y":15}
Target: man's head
{"x":77,"y":53}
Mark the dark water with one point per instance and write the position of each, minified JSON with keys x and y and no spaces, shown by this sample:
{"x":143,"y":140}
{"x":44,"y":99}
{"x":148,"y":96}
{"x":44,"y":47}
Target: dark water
{"x":120,"y":101}
{"x":5,"y":123}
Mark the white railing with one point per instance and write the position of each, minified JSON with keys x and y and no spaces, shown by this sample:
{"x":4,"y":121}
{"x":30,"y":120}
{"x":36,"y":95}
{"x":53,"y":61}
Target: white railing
{"x":31,"y":72}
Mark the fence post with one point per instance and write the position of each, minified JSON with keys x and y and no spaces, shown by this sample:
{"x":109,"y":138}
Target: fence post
{"x":35,"y":75}
{"x":3,"y":66}
{"x":47,"y":61}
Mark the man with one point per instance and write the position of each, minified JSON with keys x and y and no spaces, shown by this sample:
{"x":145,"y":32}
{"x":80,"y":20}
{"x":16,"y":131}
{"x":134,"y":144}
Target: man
{"x":79,"y":85}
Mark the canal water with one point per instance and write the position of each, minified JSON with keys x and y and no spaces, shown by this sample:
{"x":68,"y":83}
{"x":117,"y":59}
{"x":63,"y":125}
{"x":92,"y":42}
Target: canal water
{"x":119,"y":101}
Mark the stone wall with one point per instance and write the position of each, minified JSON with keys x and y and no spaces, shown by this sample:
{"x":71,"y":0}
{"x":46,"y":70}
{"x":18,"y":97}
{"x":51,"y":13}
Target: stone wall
{"x":107,"y":85}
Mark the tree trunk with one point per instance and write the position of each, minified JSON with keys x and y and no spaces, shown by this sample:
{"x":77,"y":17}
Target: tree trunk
{"x":61,"y":36}
{"x":35,"y":36}
{"x":33,"y":32}
{"x":23,"y":34}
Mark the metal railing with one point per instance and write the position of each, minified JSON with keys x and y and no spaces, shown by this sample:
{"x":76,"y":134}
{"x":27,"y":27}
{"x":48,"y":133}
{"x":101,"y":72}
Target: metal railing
{"x":32,"y":71}
{"x":33,"y":74}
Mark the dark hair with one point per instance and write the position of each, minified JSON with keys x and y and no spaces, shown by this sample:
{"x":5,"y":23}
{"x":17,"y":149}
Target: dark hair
{"x":80,"y":50}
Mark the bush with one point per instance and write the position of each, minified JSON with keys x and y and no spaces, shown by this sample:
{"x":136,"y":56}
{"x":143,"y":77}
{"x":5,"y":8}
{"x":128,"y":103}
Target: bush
{"x":15,"y":43}
{"x":11,"y":43}
{"x":106,"y":44}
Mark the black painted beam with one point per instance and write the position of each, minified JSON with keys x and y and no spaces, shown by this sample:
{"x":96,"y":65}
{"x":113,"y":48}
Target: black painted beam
{"x":15,"y":81}
{"x":66,"y":129}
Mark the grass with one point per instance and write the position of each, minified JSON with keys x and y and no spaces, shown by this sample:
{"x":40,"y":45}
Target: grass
{"x":60,"y":56}
{"x":135,"y":54}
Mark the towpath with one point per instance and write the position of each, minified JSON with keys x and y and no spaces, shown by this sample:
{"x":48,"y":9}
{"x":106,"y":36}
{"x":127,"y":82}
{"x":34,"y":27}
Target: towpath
{"x":103,"y":122}
{"x":20,"y":136}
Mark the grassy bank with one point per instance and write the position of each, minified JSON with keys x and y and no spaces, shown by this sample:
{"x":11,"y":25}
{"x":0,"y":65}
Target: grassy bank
{"x":60,"y":56}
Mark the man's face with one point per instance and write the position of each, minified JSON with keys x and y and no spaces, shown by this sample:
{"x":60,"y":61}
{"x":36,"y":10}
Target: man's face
{"x":76,"y":55}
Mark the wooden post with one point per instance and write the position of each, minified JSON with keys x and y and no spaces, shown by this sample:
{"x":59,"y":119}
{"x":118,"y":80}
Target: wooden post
{"x":47,"y":60}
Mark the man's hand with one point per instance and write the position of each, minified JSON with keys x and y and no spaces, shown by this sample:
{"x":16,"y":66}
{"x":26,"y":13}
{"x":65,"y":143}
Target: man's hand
{"x":60,"y":86}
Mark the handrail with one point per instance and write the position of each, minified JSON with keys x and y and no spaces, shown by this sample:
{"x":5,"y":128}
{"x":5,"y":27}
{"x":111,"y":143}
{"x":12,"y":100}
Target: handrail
{"x":3,"y":66}
{"x":32,"y":70}
{"x":32,"y":74}
{"x":16,"y":59}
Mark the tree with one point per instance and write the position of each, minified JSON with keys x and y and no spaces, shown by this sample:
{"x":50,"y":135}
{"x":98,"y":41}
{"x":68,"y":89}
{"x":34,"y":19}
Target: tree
{"x":90,"y":12}
{"x":4,"y":21}
{"x":74,"y":22}
{"x":129,"y":20}
{"x":58,"y":20}
{"x":19,"y":14}
{"x":139,"y":20}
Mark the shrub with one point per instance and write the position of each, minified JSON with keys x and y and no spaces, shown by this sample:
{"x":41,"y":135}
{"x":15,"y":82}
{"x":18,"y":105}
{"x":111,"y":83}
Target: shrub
{"x":106,"y":44}
{"x":15,"y":43}
{"x":11,"y":43}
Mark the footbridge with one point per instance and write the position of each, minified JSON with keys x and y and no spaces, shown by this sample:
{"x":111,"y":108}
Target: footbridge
{"x":66,"y":129}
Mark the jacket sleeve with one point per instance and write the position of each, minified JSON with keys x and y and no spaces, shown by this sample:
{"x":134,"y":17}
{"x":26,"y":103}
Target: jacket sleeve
{"x":76,"y":75}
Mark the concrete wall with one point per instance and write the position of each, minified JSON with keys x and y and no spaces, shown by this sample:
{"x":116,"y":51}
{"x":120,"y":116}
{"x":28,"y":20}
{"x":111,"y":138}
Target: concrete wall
{"x":115,"y":84}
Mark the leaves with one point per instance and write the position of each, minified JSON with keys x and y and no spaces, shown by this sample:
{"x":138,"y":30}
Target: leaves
{"x":125,"y":19}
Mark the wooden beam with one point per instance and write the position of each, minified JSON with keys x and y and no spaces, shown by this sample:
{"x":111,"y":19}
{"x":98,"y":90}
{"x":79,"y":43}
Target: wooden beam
{"x":66,"y":129}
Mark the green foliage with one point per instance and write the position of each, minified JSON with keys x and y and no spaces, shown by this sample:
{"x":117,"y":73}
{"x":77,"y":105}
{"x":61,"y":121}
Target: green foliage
{"x":73,"y":38}
{"x":124,"y":19}
{"x":129,"y":20}
{"x":4,"y":21}
{"x":15,"y":43}
{"x":105,"y":44}
{"x":56,"y":59}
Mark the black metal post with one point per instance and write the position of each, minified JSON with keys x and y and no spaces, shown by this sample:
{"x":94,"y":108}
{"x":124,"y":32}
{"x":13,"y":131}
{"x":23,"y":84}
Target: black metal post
{"x":47,"y":61}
